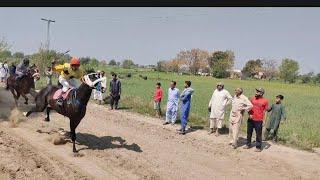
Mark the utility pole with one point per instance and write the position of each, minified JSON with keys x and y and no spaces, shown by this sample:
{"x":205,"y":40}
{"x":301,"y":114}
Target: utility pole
{"x":48,"y":31}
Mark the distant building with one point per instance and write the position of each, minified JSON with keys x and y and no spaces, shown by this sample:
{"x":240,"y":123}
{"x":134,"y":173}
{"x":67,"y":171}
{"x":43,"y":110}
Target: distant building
{"x":235,"y":74}
{"x":260,"y":75}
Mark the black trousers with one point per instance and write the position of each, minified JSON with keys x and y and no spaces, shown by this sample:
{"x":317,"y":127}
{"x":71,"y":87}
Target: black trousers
{"x":257,"y":126}
{"x":114,"y":101}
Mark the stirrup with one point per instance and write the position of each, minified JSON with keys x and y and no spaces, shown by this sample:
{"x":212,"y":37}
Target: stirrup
{"x":60,"y":101}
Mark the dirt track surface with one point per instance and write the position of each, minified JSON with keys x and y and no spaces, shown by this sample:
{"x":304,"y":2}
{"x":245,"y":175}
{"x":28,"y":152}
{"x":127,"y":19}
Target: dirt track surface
{"x":124,"y":145}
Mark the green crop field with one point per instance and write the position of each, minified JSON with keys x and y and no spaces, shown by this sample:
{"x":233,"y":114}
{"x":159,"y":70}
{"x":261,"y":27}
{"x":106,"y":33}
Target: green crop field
{"x":302,"y":102}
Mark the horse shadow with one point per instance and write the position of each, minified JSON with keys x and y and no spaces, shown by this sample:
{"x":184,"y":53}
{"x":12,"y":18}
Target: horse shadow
{"x":105,"y":142}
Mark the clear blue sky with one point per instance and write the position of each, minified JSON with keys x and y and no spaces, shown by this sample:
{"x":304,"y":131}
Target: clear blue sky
{"x":149,"y":34}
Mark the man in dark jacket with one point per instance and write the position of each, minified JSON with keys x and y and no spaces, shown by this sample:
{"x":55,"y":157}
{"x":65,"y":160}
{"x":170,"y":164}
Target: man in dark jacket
{"x":115,"y":91}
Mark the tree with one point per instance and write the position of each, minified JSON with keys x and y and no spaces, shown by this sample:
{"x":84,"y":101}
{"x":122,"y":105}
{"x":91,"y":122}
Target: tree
{"x":220,"y":62}
{"x":43,"y":58}
{"x":118,"y":64}
{"x":4,"y":45}
{"x":252,"y":67}
{"x":104,"y":62}
{"x":85,"y":60}
{"x":127,"y":64}
{"x":19,"y":55}
{"x":307,"y":78}
{"x":316,"y":78}
{"x":161,"y":66}
{"x":289,"y":70}
{"x":94,"y":62}
{"x":195,"y":59}
{"x":112,"y":63}
{"x":5,"y":54}
{"x":270,"y":68}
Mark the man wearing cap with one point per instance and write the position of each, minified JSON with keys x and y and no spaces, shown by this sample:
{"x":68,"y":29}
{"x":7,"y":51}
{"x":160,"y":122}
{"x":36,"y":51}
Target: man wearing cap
{"x":240,"y":104}
{"x":217,"y":106}
{"x":256,"y":118}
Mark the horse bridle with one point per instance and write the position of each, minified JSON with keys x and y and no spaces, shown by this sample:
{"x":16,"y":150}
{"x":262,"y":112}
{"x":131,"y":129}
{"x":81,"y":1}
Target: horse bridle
{"x":86,"y":79}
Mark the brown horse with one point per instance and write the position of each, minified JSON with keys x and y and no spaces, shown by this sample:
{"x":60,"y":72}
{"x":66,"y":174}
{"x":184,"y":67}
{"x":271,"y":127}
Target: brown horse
{"x":25,"y":86}
{"x":74,"y":105}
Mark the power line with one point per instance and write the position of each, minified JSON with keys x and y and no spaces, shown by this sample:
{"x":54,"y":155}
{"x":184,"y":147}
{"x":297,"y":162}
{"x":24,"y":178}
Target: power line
{"x":48,"y":31}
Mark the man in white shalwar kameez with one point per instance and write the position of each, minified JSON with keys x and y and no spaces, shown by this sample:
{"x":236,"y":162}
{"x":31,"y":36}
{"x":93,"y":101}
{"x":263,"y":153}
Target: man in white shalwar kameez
{"x":172,"y":104}
{"x":240,"y":104}
{"x":217,"y":106}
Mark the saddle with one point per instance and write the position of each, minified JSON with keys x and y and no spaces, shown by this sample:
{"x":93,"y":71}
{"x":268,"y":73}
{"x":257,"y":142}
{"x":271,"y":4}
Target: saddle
{"x":59,"y":92}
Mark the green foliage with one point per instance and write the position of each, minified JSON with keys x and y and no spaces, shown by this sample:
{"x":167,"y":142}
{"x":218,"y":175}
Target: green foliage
{"x":307,"y":78}
{"x":289,"y":70}
{"x":112,"y":63}
{"x":220,"y":62}
{"x":5,"y":54}
{"x":128,"y":64}
{"x":19,"y":55}
{"x":4,"y":45}
{"x":43,"y":58}
{"x":161,"y":66}
{"x":316,"y":79}
{"x":252,"y":67}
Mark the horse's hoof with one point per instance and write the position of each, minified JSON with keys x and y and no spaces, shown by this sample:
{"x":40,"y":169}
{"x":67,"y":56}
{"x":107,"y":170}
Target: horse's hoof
{"x":46,"y":119}
{"x":76,"y":154}
{"x":26,"y":103}
{"x":25,"y":114}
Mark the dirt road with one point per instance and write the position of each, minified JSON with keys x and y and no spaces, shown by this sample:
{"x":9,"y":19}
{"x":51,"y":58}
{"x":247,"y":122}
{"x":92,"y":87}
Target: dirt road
{"x":124,"y":145}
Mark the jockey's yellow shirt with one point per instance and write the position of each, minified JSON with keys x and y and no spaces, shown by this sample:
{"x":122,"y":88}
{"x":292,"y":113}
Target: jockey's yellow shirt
{"x":61,"y":68}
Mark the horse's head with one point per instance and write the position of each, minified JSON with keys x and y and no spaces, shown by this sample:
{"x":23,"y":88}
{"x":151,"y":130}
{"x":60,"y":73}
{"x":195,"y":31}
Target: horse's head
{"x":91,"y":80}
{"x":33,"y":73}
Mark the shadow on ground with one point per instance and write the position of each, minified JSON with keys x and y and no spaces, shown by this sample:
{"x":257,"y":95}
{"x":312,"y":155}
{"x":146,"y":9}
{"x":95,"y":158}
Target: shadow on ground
{"x":106,"y":142}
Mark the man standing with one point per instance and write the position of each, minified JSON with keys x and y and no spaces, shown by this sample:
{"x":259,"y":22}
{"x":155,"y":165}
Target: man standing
{"x":48,"y":74}
{"x":102,"y":87}
{"x":240,"y":103}
{"x":157,"y":99}
{"x":185,"y":105}
{"x":95,"y":91}
{"x":115,"y":91}
{"x":172,"y":104}
{"x":4,"y":71}
{"x":217,"y":106}
{"x":256,"y":118}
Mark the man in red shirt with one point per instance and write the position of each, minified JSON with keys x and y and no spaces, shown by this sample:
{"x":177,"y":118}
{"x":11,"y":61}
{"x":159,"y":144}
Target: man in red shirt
{"x":157,"y":99}
{"x":256,"y":118}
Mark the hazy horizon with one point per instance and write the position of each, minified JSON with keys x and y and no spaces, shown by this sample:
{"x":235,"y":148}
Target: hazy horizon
{"x":148,"y":35}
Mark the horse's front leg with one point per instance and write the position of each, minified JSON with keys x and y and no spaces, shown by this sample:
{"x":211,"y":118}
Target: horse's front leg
{"x":73,"y":125}
{"x":25,"y":97}
{"x":48,"y":113}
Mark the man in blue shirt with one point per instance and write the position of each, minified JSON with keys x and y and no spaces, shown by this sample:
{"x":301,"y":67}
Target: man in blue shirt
{"x":185,"y":105}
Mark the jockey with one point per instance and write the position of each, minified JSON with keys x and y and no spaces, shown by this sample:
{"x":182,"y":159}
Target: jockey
{"x":22,"y":69}
{"x":69,"y":72}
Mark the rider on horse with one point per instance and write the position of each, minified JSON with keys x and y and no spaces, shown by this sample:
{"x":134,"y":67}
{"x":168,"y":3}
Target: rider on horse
{"x":68,"y":73}
{"x":22,"y":69}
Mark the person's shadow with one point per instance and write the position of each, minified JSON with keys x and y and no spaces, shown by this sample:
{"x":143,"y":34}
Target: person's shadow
{"x":100,"y":143}
{"x":243,"y":141}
